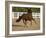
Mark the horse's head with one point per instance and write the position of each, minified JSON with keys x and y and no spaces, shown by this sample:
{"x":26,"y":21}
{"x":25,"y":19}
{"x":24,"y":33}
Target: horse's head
{"x":29,"y":10}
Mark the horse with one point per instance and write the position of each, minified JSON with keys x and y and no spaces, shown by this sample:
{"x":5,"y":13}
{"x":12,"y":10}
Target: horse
{"x":26,"y":17}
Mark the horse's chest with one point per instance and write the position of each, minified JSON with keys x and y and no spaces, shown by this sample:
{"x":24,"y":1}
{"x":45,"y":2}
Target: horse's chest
{"x":28,"y":17}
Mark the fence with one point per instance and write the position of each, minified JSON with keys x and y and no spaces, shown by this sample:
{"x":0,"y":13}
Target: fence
{"x":17,"y":14}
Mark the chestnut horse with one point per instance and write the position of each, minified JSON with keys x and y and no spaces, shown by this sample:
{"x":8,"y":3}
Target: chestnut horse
{"x":26,"y":17}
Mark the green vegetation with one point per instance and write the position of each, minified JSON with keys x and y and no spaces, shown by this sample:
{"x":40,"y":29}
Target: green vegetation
{"x":24,"y":9}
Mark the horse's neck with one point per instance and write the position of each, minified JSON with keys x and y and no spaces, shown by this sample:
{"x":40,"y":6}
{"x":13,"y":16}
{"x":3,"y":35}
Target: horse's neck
{"x":29,"y":13}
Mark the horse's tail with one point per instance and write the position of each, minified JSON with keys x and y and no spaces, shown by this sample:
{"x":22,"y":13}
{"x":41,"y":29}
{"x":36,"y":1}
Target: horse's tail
{"x":20,"y":17}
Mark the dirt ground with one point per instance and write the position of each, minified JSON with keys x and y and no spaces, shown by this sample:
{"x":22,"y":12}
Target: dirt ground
{"x":20,"y":26}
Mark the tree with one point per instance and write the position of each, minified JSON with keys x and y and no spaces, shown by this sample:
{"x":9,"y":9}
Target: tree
{"x":24,"y":9}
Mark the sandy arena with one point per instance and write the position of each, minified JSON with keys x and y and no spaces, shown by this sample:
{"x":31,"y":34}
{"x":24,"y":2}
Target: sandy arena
{"x":20,"y":26}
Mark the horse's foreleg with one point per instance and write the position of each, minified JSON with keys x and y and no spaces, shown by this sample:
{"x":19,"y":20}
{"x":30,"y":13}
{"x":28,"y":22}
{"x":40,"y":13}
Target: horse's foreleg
{"x":34,"y":20}
{"x":24,"y":23}
{"x":31,"y":23}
